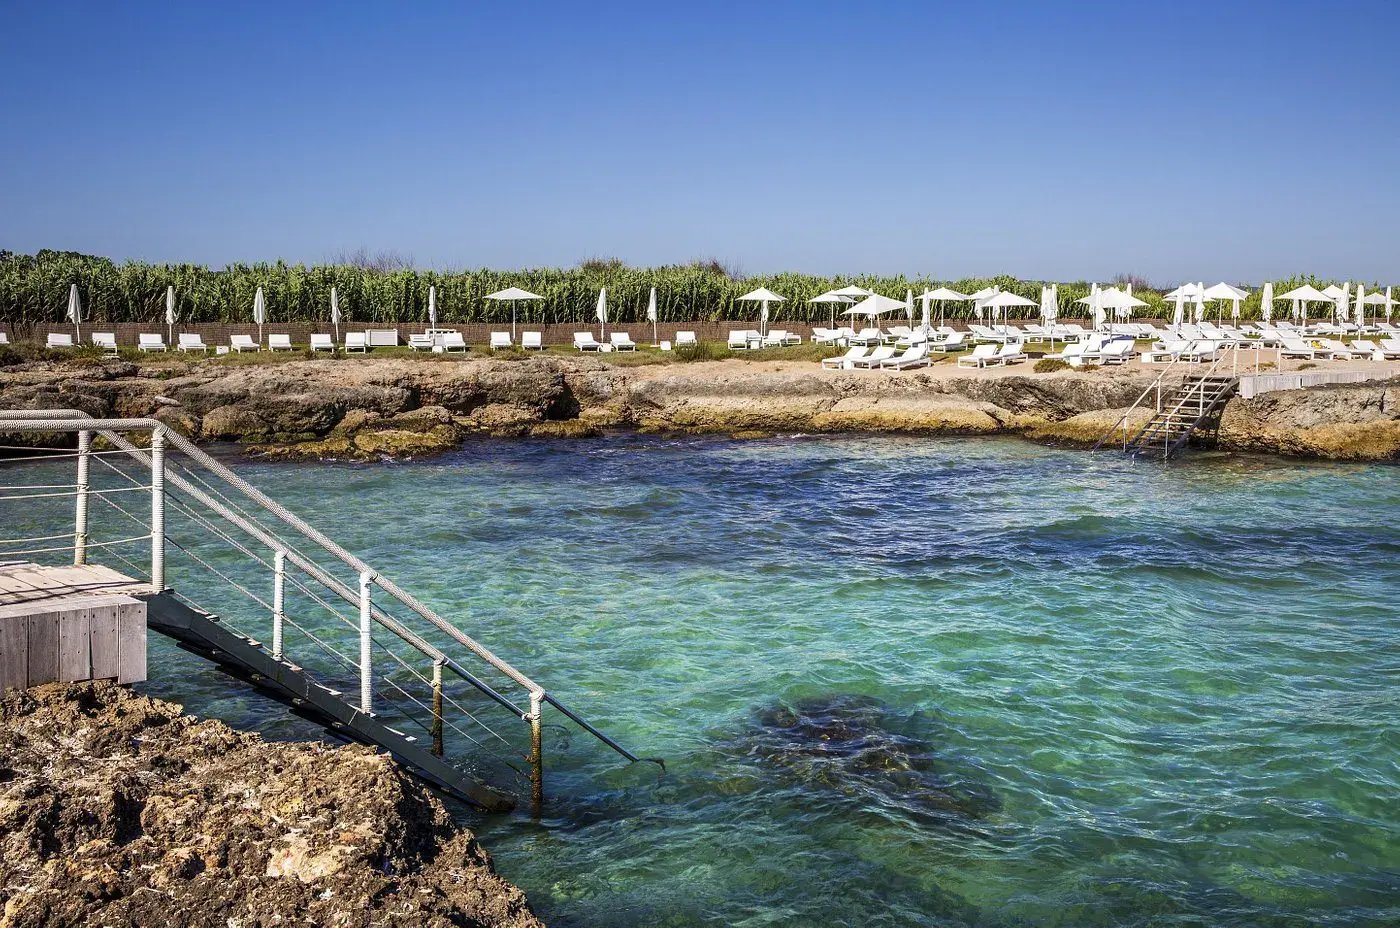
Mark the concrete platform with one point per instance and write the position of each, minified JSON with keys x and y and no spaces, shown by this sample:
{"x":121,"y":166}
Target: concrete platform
{"x":64,"y":624}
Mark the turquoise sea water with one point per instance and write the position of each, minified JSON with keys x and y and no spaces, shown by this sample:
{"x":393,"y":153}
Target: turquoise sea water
{"x":910,"y":681}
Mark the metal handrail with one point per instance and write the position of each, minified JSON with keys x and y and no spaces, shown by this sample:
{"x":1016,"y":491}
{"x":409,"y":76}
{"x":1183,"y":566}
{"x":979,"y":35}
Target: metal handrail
{"x":1122,"y":420}
{"x":76,"y":420}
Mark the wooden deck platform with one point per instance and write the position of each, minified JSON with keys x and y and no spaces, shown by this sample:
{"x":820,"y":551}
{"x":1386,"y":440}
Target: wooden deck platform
{"x":63,"y":624}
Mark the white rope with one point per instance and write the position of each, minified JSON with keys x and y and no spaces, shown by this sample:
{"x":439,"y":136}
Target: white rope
{"x":15,"y":541}
{"x":4,"y":499}
{"x":90,"y":544}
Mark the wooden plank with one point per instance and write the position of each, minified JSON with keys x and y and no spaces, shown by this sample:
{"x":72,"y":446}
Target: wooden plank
{"x":43,"y":648}
{"x":14,"y":652}
{"x":131,"y":642}
{"x":102,"y":638}
{"x":74,"y":648}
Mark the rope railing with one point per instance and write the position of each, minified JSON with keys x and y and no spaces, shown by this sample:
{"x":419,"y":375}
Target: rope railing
{"x":236,"y":505}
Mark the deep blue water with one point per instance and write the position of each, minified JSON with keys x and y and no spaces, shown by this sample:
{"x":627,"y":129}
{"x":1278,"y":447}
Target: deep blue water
{"x":907,"y":681}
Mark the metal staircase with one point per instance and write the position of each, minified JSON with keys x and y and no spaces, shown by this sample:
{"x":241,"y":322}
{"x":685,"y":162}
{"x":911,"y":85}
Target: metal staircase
{"x":1196,"y":400}
{"x":357,"y":654}
{"x":1177,"y":412}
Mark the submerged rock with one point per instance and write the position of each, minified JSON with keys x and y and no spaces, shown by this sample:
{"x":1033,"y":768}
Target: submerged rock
{"x":852,"y":746}
{"x":116,"y":809}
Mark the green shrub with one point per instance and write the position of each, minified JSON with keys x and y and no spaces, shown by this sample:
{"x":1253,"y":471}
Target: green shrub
{"x":1050,"y":365}
{"x":701,"y":351}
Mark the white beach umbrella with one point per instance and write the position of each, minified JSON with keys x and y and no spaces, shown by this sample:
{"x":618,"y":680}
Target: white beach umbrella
{"x":1178,"y":308}
{"x":1050,"y":306}
{"x":432,"y":307}
{"x":1200,"y":311}
{"x":1301,"y":297}
{"x":1266,"y":303}
{"x":979,"y":300}
{"x":852,"y":290}
{"x":874,"y":306}
{"x":170,"y":312}
{"x":944,"y":293}
{"x":1332,"y":291}
{"x":832,"y":298}
{"x":651,"y":314}
{"x":1004,"y":301}
{"x":1379,"y":299}
{"x":1340,"y":309}
{"x":1223,"y":291}
{"x":335,"y":313}
{"x":1359,"y":307}
{"x":925,"y":320}
{"x":260,"y":312}
{"x":1389,"y":304}
{"x":75,"y":311}
{"x":511,"y":294}
{"x":764,"y":296}
{"x":909,"y":305}
{"x":601,"y":313}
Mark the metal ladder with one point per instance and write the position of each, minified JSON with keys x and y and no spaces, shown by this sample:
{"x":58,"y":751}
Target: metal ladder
{"x":1181,"y":413}
{"x":399,"y":654}
{"x":1177,"y":412}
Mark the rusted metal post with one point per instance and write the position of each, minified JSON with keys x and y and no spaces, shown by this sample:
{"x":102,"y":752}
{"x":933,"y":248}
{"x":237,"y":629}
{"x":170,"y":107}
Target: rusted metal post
{"x":157,"y":510}
{"x":279,"y":596}
{"x":536,"y":753}
{"x":80,"y":515}
{"x":437,"y":707}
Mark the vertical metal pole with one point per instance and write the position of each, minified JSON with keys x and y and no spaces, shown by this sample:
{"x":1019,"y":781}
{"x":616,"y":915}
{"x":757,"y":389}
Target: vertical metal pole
{"x":157,"y":510}
{"x":366,"y":670}
{"x":279,"y":591}
{"x":536,"y":753}
{"x":437,"y":707}
{"x":80,"y":516}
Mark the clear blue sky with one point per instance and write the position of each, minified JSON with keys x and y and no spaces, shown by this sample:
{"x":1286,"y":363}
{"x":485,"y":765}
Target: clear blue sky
{"x":1177,"y":140}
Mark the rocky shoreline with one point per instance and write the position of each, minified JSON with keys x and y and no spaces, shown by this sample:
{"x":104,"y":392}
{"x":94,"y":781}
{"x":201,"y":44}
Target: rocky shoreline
{"x":117,"y":809}
{"x":403,"y":407}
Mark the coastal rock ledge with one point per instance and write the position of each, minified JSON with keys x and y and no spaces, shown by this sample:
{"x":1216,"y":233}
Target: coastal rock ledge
{"x":373,"y":408}
{"x":116,"y":809}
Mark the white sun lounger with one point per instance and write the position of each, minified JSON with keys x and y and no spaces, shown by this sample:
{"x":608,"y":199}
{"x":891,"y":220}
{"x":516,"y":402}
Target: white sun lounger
{"x":881,"y":354}
{"x":916,"y":356}
{"x":853,"y":354}
{"x":148,"y":342}
{"x":584,"y":341}
{"x":241,"y":343}
{"x":865,"y":337}
{"x":621,"y":341}
{"x":532,"y":341}
{"x":356,"y":341}
{"x":276,"y":342}
{"x":59,"y":340}
{"x":1297,"y":348}
{"x":685,"y":338}
{"x":453,"y":341}
{"x":190,"y":341}
{"x":1010,"y":353}
{"x":500,"y":340}
{"x":422,"y":341}
{"x":322,"y":342}
{"x":954,"y":342}
{"x":107,"y":341}
{"x":981,"y":356}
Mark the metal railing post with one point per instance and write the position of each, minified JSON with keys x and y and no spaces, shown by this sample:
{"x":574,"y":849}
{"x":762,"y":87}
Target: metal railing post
{"x":437,"y":707}
{"x":157,"y":510}
{"x":536,"y":752}
{"x":80,"y":514}
{"x":366,"y":643}
{"x":279,"y":598}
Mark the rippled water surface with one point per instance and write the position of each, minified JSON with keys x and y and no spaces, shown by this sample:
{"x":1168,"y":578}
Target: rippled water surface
{"x":916,"y":681}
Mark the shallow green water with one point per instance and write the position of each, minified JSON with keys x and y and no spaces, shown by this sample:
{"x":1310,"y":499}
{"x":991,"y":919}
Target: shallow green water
{"x":917,"y":681}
